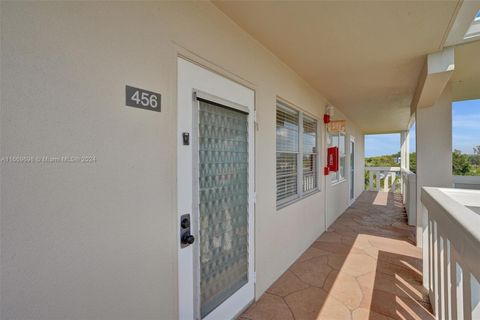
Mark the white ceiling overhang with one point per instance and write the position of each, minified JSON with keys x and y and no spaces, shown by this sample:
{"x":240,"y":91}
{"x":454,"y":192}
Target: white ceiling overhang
{"x":364,"y":57}
{"x":466,"y":78}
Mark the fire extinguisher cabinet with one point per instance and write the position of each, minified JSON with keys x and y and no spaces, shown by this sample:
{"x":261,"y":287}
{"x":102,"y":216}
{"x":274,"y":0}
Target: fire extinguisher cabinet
{"x":332,"y":159}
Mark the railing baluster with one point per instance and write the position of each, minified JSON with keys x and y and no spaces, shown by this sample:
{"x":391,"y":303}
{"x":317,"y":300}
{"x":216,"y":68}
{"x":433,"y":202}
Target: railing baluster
{"x":370,"y":181}
{"x":434,"y":301}
{"x":441,"y":275}
{"x":447,"y":279}
{"x":475,"y":297}
{"x":453,"y":284}
{"x":459,"y":290}
{"x":430,"y":255}
{"x":467,"y":294}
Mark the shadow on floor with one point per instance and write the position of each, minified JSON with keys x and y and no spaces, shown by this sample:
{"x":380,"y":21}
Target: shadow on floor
{"x":365,"y":266}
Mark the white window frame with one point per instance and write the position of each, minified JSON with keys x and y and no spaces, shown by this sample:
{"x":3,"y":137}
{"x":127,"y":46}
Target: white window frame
{"x":316,"y":153}
{"x":336,"y":177}
{"x":300,"y":193}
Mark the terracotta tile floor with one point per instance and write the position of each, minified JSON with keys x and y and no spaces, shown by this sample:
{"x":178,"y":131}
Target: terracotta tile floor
{"x":365,"y":266}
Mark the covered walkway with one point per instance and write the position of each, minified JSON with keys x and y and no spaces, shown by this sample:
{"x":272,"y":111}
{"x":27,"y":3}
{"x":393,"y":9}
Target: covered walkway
{"x":365,"y":266}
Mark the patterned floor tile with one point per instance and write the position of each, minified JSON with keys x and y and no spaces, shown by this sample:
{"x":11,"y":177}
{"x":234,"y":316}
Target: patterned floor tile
{"x":365,"y":267}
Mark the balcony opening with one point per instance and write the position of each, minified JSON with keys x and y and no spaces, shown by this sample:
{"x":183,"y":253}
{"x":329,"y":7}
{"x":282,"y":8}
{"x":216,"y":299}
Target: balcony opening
{"x":466,"y":144}
{"x":474,"y":29}
{"x":382,"y":163}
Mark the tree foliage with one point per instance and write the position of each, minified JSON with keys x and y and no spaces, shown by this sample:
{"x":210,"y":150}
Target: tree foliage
{"x":460,"y":163}
{"x":391,"y":160}
{"x":476,"y":150}
{"x":475,"y":157}
{"x":466,"y":164}
{"x":413,"y":162}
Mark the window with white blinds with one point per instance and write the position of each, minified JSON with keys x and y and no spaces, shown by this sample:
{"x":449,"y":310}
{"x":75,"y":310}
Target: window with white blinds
{"x":309,"y":154}
{"x":287,"y":153}
{"x":296,"y":154}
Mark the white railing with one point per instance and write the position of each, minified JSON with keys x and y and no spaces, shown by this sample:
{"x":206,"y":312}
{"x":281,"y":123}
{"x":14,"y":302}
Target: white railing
{"x":466,"y":182}
{"x":451,"y":251}
{"x":408,"y":183}
{"x":378,"y":174}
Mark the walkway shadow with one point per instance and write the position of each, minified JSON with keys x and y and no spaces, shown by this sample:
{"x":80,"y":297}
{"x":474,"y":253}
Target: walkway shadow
{"x":397,"y":289}
{"x":365,"y":266}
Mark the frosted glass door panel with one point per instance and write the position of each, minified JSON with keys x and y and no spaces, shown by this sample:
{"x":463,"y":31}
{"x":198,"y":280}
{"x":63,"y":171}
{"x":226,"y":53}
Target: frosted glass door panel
{"x":223,"y":203}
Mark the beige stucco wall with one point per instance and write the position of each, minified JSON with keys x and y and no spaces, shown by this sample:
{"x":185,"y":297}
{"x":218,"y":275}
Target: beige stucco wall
{"x":336,"y":201}
{"x":97,"y":241}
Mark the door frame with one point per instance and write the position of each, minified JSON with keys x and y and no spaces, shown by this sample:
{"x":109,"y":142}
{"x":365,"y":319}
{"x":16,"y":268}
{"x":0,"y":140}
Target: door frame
{"x":351,"y":185}
{"x":192,"y":78}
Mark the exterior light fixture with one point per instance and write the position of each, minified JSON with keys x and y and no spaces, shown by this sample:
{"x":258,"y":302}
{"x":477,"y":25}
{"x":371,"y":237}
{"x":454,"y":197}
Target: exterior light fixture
{"x":328,"y":114}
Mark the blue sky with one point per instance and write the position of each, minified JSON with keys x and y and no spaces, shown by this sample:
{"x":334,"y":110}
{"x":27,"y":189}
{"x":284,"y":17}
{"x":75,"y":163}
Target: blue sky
{"x":380,"y":144}
{"x":465,"y":127}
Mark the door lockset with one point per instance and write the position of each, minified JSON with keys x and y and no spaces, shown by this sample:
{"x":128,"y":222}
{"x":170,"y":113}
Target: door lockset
{"x":186,"y":138}
{"x":186,"y":238}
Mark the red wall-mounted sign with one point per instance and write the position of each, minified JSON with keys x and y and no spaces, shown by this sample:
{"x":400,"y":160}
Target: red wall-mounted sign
{"x":332,"y":159}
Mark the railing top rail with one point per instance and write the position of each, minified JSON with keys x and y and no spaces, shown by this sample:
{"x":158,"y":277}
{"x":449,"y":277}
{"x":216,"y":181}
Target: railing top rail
{"x":391,"y":169}
{"x":467,"y":179}
{"x":406,"y":171}
{"x":454,"y":211}
{"x":452,"y":219}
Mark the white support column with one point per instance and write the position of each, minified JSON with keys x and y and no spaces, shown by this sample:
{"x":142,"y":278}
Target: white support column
{"x":403,"y":149}
{"x":386,"y":175}
{"x":404,"y":157}
{"x":432,"y":104}
{"x":426,"y":248}
{"x":434,"y":149}
{"x":407,"y":150}
{"x":394,"y":177}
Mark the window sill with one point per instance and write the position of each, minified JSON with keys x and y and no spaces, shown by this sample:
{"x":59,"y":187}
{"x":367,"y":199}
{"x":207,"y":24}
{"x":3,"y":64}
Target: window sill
{"x":336,"y":182}
{"x":304,"y":196}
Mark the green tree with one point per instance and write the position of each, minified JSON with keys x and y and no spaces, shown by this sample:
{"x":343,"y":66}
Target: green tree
{"x":383,"y":161}
{"x":460,"y":163}
{"x":413,"y":162}
{"x":475,"y":157}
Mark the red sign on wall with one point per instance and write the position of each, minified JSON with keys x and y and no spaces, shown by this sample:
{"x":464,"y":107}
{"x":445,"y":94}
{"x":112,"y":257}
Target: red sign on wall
{"x":332,"y":159}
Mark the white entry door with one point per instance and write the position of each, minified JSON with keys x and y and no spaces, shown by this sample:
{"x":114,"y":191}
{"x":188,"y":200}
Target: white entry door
{"x":215,"y":187}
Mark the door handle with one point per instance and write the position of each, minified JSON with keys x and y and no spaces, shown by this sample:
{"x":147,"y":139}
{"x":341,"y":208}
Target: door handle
{"x":186,"y":237}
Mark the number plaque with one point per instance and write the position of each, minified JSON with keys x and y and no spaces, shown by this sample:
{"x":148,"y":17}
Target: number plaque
{"x":144,"y":99}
